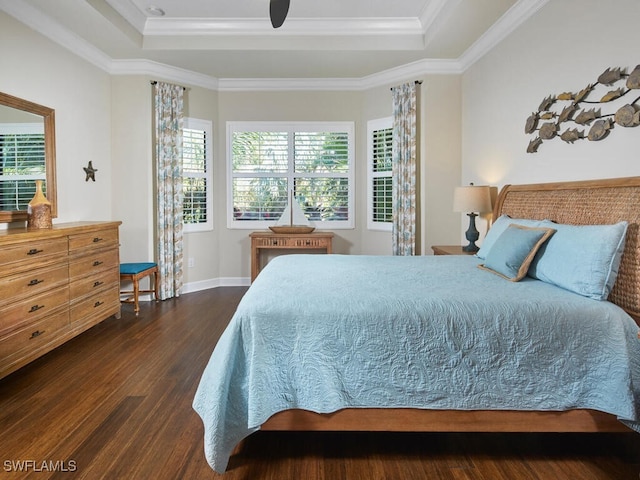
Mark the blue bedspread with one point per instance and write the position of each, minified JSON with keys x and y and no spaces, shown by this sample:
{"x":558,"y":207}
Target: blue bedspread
{"x":325,"y":332}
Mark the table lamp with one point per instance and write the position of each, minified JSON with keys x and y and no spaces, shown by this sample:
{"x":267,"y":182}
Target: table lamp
{"x":472,"y":199}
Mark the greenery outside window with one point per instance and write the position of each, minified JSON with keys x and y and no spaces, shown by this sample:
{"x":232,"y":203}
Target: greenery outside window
{"x":197,"y":175}
{"x":267,"y":160}
{"x":379,"y":174}
{"x":22,"y":161}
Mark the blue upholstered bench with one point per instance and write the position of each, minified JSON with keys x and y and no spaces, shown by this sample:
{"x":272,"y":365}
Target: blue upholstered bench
{"x":134,"y":272}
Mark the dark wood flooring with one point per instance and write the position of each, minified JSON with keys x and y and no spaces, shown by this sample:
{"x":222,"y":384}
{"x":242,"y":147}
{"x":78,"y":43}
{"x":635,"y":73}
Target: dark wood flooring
{"x":115,"y":403}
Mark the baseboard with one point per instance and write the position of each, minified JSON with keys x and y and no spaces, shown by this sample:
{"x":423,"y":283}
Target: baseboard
{"x":215,"y":283}
{"x":202,"y":285}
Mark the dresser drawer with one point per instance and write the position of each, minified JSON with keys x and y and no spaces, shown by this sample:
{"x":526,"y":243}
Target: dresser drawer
{"x":96,"y":239}
{"x":98,"y":305}
{"x":91,"y":264}
{"x":28,"y":255}
{"x":86,"y":285}
{"x":33,"y":336}
{"x":32,"y":308}
{"x":33,"y":282}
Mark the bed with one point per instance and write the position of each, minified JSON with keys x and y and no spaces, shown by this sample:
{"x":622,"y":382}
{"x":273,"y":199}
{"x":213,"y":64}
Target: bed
{"x":434,"y":343}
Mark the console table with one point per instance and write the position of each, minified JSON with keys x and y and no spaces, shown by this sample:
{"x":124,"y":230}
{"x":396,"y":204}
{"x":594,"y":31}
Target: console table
{"x":286,"y":241}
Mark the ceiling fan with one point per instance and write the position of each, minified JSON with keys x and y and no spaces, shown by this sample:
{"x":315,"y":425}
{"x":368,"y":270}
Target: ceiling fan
{"x":278,"y":10}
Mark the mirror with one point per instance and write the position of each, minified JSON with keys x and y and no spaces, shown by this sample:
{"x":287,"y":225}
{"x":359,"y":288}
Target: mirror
{"x":24,"y":116}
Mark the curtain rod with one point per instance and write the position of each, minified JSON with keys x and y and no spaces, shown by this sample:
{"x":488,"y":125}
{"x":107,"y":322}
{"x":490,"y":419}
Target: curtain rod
{"x":417,"y":82}
{"x":155,"y":82}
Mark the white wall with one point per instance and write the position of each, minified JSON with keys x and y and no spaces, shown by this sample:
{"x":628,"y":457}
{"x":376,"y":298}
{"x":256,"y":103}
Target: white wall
{"x":441,"y":136}
{"x":38,"y":70}
{"x":108,"y":119}
{"x":564,"y":47}
{"x":132,"y":187}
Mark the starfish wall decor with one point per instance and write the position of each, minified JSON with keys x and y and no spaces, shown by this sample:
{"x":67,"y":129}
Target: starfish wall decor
{"x":90,"y":172}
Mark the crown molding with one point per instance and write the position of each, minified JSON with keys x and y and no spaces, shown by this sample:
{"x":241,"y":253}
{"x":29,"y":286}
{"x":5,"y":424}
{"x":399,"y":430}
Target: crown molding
{"x":287,"y":84}
{"x":435,"y":10}
{"x":163,"y":71}
{"x":386,"y":77}
{"x":322,"y":27}
{"x":430,"y":13}
{"x":129,"y":12}
{"x":521,"y":11}
{"x":338,"y":34}
{"x":426,"y":66}
{"x":42,"y":24}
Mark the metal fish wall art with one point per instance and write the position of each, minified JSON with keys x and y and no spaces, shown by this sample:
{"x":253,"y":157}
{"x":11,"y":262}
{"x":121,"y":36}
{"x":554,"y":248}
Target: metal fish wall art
{"x":568,"y":109}
{"x":628,"y":116}
{"x":571,"y":135}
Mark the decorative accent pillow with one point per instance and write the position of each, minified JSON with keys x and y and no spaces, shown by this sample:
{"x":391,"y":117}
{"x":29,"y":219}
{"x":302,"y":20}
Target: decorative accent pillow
{"x":581,"y":258}
{"x":498,"y":227}
{"x":514,"y":250}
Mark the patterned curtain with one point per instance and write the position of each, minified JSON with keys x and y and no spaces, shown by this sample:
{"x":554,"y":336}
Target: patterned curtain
{"x":404,"y":169}
{"x":169,"y":117}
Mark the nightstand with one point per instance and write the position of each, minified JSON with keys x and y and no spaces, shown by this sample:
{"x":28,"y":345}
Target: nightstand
{"x":449,"y":250}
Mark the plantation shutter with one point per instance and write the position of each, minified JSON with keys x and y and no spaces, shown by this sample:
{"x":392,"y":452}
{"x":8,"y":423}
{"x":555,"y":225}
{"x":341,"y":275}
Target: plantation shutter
{"x":22,"y":161}
{"x":321,"y":167}
{"x":267,"y":164}
{"x":382,"y":210}
{"x":260,"y":167}
{"x":194,"y":172}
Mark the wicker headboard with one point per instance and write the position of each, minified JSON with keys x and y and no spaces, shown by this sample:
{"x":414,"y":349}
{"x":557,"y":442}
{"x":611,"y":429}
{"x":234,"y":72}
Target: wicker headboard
{"x":590,"y":202}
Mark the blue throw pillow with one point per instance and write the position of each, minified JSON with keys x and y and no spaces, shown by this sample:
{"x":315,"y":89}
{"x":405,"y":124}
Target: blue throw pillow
{"x":514,"y":250}
{"x":581,"y":258}
{"x":498,"y":227}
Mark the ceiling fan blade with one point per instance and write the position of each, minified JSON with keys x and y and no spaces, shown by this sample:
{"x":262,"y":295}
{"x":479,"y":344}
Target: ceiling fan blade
{"x":278,"y":10}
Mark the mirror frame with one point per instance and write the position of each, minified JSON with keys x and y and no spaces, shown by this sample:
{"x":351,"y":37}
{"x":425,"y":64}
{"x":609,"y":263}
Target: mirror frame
{"x":48,"y":115}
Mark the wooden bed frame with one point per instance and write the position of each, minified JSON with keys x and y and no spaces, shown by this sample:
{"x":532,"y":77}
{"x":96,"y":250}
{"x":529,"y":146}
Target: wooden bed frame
{"x":580,"y":203}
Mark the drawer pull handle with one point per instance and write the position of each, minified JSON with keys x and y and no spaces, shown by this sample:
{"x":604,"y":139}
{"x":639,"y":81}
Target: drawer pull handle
{"x":97,"y":304}
{"x":35,"y":334}
{"x":96,"y":239}
{"x":97,"y":284}
{"x":96,"y":263}
{"x":35,"y":308}
{"x":34,"y":251}
{"x":33,"y":282}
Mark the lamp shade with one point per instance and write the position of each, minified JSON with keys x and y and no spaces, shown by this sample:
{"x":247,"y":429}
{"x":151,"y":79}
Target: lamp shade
{"x":472,"y":198}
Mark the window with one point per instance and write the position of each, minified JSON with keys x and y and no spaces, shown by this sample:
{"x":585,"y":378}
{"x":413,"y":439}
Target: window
{"x":22,"y":161}
{"x":267,"y":160}
{"x":379,"y":179}
{"x":197,"y":175}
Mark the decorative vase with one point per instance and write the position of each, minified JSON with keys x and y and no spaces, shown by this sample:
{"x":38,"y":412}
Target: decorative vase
{"x":39,"y":210}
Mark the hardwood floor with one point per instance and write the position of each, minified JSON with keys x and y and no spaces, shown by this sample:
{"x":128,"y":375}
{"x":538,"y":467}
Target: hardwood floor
{"x":115,"y":403}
